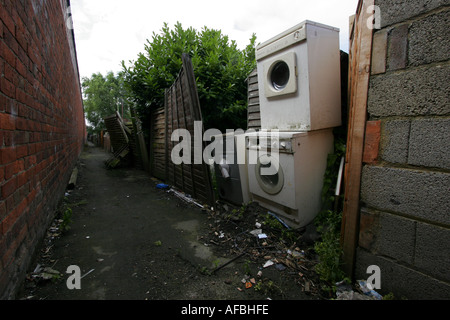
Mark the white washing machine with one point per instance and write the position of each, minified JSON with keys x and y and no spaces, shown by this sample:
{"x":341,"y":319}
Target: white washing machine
{"x":286,"y":172}
{"x":299,"y":79}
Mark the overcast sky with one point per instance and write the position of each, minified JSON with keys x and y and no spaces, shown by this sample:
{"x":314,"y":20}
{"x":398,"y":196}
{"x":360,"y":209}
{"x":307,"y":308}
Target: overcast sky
{"x":109,"y":31}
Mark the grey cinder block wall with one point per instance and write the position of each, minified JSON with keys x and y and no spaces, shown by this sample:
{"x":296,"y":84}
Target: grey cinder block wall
{"x":405,"y":194}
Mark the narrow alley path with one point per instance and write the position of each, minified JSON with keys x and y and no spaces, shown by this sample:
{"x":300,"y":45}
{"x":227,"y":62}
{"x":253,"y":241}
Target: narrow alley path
{"x":135,"y":242}
{"x":129,"y":240}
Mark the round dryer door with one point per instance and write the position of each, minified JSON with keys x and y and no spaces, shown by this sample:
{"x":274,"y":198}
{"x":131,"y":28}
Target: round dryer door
{"x":269,"y":174}
{"x":281,"y":75}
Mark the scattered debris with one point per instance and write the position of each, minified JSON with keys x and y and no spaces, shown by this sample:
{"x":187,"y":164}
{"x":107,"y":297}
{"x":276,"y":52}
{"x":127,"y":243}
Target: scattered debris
{"x":229,"y":262}
{"x":256,"y":232}
{"x":280,"y":266}
{"x":184,"y":197}
{"x":368,"y":291}
{"x":344,"y":291}
{"x":280,"y":220}
{"x":73,"y":179}
{"x":268,"y":242}
{"x":45,"y":273}
{"x":89,"y":272}
{"x":158,"y":243}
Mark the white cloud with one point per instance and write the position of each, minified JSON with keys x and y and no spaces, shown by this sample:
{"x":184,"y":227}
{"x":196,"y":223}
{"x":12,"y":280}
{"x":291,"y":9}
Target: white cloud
{"x":109,"y":31}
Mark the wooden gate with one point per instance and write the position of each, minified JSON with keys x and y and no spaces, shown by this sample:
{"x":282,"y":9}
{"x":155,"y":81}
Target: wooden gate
{"x":181,"y":111}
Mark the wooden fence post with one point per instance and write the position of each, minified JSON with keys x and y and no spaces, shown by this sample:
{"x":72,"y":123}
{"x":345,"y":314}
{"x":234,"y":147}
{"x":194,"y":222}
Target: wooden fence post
{"x":359,"y":73}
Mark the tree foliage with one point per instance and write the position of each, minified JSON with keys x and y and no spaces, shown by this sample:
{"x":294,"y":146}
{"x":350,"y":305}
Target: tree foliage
{"x":103,"y":96}
{"x":220,"y":69}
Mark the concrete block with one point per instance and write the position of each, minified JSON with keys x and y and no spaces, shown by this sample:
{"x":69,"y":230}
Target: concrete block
{"x":395,"y":11}
{"x":387,"y":235}
{"x":379,"y":50}
{"x":394,"y":141}
{"x":402,"y":281}
{"x":415,"y":193}
{"x":429,"y":143}
{"x":429,"y":39}
{"x":414,"y":92}
{"x":398,"y":48}
{"x":432,"y":251}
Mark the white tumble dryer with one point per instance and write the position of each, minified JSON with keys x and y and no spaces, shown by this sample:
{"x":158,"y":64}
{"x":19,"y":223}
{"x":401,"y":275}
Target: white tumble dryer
{"x":286,"y":172}
{"x":299,"y":79}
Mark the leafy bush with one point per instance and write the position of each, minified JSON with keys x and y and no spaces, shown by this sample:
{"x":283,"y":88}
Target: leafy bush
{"x":103,"y":96}
{"x":329,"y":221}
{"x":220,"y":69}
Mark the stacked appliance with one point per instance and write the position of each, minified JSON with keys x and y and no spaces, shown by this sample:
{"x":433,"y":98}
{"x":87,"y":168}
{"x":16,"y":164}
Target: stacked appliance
{"x":300,"y":102}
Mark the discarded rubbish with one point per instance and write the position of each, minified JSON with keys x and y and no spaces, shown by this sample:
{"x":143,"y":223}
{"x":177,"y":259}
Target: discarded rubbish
{"x":256,"y":232}
{"x":37,"y":269}
{"x":307,"y":286}
{"x":296,"y":254}
{"x":88,"y":273}
{"x":229,"y":262}
{"x":369,"y":292}
{"x":185,"y":197}
{"x":344,"y":291}
{"x":73,"y":179}
{"x":268,"y":264}
{"x":162,"y":186}
{"x":158,"y":243}
{"x":262,"y":236}
{"x":248,"y":285}
{"x":280,"y":267}
{"x":46,"y":273}
{"x":281,"y":221}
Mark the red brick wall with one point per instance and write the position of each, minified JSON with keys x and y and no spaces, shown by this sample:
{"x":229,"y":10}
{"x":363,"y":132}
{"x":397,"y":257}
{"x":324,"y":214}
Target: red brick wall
{"x":42,"y":127}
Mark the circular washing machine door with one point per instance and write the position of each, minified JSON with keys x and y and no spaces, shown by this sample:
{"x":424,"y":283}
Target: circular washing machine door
{"x":281,"y":75}
{"x":269,"y":174}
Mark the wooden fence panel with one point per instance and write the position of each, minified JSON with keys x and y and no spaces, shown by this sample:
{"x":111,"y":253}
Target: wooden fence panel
{"x":254,"y":114}
{"x":158,"y":144}
{"x":181,"y":111}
